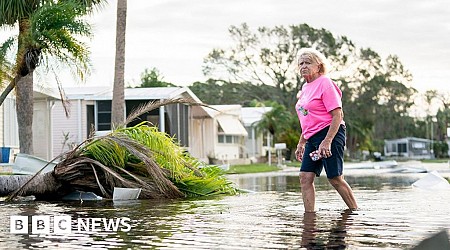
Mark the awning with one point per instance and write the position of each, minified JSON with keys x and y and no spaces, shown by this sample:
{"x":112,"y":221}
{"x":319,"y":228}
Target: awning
{"x":231,"y":125}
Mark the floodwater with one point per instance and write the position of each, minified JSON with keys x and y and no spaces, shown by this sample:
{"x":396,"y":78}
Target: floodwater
{"x":393,"y":215}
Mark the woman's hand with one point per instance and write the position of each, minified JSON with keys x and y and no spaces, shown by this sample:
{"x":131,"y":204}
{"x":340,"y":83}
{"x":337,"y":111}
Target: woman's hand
{"x":299,"y":152}
{"x":325,"y":148}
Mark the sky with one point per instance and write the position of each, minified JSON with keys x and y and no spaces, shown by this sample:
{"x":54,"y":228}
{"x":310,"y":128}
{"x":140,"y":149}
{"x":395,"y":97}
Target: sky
{"x":176,"y":35}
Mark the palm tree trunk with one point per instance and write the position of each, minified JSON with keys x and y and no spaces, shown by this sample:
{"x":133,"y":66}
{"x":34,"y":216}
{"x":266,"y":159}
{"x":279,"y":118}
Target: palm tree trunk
{"x":43,"y":186}
{"x":24,"y":91}
{"x":118,"y":101}
{"x":24,"y":109}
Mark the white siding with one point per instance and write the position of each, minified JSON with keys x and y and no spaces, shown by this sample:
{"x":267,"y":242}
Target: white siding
{"x":253,"y":143}
{"x":42,"y":130}
{"x":202,"y":139}
{"x":66,"y":129}
{"x":197,"y":139}
{"x":210,"y":138}
{"x":204,"y":142}
{"x":224,"y":151}
{"x":10,"y":133}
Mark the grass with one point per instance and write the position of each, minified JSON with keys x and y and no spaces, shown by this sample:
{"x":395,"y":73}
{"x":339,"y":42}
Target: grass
{"x":445,"y":160}
{"x":252,"y":168}
{"x":295,"y":164}
{"x":262,"y":167}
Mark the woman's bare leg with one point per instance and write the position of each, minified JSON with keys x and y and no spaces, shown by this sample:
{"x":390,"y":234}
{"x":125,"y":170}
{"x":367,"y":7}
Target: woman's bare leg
{"x":344,"y":190}
{"x":308,"y":190}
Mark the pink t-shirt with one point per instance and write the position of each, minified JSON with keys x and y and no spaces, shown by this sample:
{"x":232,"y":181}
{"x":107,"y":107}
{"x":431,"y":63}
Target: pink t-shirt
{"x":314,"y":104}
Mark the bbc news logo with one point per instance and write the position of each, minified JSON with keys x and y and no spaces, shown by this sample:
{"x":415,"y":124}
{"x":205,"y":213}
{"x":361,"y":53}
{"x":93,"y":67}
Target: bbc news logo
{"x":46,"y":224}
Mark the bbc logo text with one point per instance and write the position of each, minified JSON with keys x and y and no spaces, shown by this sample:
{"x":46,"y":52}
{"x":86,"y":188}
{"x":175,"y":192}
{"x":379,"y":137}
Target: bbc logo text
{"x":64,"y":224}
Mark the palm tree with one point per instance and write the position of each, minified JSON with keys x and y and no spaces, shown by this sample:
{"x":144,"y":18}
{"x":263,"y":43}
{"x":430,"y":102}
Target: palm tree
{"x":118,"y":100}
{"x":135,"y":157}
{"x":47,"y":30}
{"x":282,"y":125}
{"x":276,"y":121}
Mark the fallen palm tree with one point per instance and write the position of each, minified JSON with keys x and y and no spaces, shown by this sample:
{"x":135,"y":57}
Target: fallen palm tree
{"x":131,"y":157}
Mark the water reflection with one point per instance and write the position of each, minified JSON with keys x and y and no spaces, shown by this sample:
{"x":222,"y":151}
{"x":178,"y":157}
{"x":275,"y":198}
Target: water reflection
{"x":318,"y":237}
{"x":290,"y":183}
{"x":392,"y":216}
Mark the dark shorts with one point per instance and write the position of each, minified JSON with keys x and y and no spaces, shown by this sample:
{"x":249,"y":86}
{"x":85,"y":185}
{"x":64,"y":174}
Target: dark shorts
{"x":334,"y":165}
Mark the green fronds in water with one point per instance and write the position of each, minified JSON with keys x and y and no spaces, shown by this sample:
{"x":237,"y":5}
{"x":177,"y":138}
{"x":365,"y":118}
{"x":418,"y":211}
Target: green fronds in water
{"x":142,"y":153}
{"x":166,"y":153}
{"x":107,"y":152}
{"x":212,"y":182}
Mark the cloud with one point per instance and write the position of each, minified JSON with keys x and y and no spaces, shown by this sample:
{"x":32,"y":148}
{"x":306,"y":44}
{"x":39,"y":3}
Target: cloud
{"x":175,"y":35}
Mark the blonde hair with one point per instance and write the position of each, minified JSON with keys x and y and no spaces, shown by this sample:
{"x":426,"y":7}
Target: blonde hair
{"x":316,"y":56}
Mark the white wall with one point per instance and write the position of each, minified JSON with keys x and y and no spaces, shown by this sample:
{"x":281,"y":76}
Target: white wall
{"x":42,"y":129}
{"x":204,"y":142}
{"x":73,"y":127}
{"x":210,"y":137}
{"x":197,"y":139}
{"x":253,"y":146}
{"x":10,"y":133}
{"x":225,"y":152}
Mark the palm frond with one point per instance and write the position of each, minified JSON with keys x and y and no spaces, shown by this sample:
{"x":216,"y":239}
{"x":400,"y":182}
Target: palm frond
{"x":92,"y":5}
{"x":117,"y":150}
{"x":142,"y":157}
{"x":64,"y":101}
{"x":166,"y":153}
{"x":13,"y":11}
{"x":155,"y":155}
{"x":208,"y":184}
{"x":54,"y":28}
{"x":154,"y":171}
{"x":6,"y":66}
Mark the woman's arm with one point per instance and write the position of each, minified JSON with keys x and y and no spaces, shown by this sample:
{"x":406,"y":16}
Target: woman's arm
{"x":300,"y":148}
{"x":325,"y":145}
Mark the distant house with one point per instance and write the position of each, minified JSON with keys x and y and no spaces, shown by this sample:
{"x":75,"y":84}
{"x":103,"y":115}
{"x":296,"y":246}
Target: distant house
{"x":219,"y":135}
{"x":254,"y":143}
{"x":91,"y":108}
{"x":44,"y":102}
{"x":211,"y":134}
{"x":409,"y":147}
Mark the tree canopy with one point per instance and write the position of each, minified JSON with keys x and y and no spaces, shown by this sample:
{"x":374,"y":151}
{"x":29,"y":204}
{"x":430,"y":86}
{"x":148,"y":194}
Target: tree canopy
{"x":49,"y":30}
{"x":376,"y":90}
{"x":153,"y":78}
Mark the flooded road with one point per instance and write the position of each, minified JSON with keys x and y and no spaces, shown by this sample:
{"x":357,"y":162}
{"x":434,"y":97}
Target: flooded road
{"x":393,"y":215}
